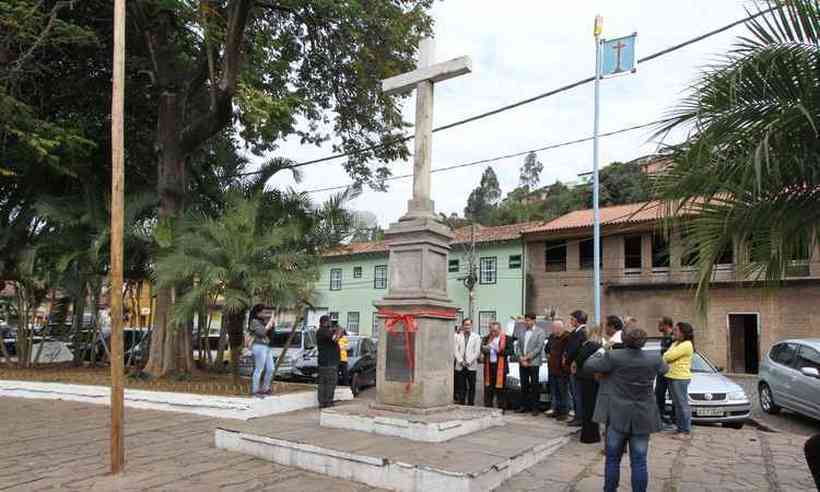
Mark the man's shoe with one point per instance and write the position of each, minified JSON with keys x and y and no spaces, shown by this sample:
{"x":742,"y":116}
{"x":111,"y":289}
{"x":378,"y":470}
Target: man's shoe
{"x":561,"y":418}
{"x":574,"y":423}
{"x":550,"y":413}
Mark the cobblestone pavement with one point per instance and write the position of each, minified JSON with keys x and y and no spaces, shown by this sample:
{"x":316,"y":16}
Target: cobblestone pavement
{"x":785,"y":421}
{"x":56,"y":445}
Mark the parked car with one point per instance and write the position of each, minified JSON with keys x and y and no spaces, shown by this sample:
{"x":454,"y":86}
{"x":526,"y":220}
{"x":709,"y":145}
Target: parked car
{"x":303,"y":342}
{"x":714,"y":398}
{"x":789,"y":378}
{"x":361,"y":363}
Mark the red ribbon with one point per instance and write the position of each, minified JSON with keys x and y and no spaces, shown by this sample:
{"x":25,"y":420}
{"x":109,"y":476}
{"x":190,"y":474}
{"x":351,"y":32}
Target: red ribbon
{"x":408,"y":319}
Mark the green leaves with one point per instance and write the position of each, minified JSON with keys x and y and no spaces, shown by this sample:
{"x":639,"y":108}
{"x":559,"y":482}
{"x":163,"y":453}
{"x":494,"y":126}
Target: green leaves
{"x":748,"y":176}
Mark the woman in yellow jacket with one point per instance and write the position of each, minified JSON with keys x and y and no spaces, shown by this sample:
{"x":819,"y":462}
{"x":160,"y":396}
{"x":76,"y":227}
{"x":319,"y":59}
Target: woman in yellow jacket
{"x":679,"y":358}
{"x":341,"y":340}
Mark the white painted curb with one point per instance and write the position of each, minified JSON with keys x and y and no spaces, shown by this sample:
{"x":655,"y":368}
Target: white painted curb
{"x":226,"y":407}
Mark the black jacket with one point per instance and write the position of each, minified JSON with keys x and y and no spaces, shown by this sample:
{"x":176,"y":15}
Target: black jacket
{"x":328,"y":348}
{"x":576,"y":339}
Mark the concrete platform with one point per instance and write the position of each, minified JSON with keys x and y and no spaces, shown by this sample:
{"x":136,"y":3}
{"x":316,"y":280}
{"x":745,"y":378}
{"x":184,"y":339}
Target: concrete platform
{"x":227,"y":407}
{"x":476,"y":462}
{"x":430,"y":425}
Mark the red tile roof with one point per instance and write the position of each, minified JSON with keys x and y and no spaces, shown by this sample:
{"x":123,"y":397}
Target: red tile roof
{"x":620,"y":214}
{"x":483,"y":234}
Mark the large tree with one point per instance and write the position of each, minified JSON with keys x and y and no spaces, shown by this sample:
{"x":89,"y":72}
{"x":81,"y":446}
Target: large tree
{"x":749,"y":171}
{"x":269,"y":70}
{"x":483,"y":199}
{"x":530,"y":174}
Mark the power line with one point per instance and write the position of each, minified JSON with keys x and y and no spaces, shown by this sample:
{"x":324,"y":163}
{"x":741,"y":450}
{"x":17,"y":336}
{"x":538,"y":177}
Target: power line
{"x":523,"y":102}
{"x":502,"y":157}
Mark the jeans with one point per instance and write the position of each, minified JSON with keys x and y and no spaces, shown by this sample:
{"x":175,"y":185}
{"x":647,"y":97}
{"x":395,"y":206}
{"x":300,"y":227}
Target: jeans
{"x":679,"y":389}
{"x":558,"y":395}
{"x":577,"y":402}
{"x":328,"y":375}
{"x":467,"y":384}
{"x":638,"y":449}
{"x":261,"y":360}
{"x":661,"y":385}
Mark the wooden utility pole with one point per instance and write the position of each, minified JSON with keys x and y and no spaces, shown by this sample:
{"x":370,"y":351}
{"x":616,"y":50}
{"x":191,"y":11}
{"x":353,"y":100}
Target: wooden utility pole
{"x":117,"y":205}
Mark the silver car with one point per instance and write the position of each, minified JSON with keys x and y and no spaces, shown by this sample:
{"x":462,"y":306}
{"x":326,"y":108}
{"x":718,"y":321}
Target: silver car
{"x":713,"y":397}
{"x":789,"y":377}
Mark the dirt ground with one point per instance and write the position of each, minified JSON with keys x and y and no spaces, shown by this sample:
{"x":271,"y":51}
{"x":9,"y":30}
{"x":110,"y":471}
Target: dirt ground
{"x":203,"y":383}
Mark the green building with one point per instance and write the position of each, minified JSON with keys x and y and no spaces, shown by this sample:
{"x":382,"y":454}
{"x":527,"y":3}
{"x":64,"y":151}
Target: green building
{"x":355,"y":275}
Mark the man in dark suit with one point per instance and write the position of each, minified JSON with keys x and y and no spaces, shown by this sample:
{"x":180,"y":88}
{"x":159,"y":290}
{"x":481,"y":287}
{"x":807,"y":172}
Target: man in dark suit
{"x":577,"y":337}
{"x":328,"y":362}
{"x":665,"y":326}
{"x":631,"y":413}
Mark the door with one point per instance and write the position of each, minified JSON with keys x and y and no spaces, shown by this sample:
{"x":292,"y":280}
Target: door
{"x":806,"y":389}
{"x":744,"y":347}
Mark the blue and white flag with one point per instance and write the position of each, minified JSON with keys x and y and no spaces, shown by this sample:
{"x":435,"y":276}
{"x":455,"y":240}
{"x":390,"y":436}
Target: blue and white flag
{"x":618,"y":56}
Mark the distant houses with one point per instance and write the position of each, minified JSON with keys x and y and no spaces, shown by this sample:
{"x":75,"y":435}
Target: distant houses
{"x":542,"y":267}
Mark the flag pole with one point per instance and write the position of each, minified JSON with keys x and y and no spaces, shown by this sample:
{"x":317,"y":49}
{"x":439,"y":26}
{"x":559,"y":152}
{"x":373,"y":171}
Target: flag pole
{"x":596,"y":233}
{"x":117,"y":204}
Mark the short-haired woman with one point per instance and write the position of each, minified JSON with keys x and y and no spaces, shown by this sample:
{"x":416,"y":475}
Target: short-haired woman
{"x":679,"y":358}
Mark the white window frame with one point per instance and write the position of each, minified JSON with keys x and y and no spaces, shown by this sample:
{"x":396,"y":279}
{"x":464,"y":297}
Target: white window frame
{"x":333,"y":272}
{"x":484,"y":272}
{"x":353,"y":329}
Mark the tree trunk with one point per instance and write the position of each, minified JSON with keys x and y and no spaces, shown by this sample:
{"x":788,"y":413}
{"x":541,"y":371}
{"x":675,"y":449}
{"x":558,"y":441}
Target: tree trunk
{"x":165,"y":345}
{"x":236,"y":325}
{"x":219,"y":363}
{"x":45,"y":332}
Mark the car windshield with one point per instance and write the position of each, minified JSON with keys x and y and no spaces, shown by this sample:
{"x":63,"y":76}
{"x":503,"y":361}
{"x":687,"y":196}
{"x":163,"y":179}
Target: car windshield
{"x":699,"y":363}
{"x":278,"y":339}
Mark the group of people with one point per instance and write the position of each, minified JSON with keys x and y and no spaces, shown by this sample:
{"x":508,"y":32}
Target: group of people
{"x":332,"y":345}
{"x":597,"y":376}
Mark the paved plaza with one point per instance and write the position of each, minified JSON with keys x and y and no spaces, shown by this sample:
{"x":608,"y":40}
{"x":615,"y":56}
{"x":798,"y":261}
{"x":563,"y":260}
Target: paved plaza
{"x":56,"y":445}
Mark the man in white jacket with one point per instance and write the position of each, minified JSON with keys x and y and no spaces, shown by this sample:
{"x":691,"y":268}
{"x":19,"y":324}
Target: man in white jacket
{"x":467,"y":350}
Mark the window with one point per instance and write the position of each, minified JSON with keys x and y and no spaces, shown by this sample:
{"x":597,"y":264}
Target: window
{"x":660,"y":251}
{"x":808,"y":357}
{"x":333,"y":315}
{"x":453,"y":266}
{"x":357,"y":272}
{"x":555,"y":254}
{"x":487,"y":271}
{"x":353,"y":323}
{"x":633,"y":251}
{"x":690,"y":249}
{"x":380,"y":277}
{"x":783,"y":353}
{"x":484,"y":320}
{"x":515,"y":262}
{"x":335,"y":279}
{"x":586,"y":254}
{"x":459,"y":317}
{"x":375,"y":327}
{"x":727,"y":256}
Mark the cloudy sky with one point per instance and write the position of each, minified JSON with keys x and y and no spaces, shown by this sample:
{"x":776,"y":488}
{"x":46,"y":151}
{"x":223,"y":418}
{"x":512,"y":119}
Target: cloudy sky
{"x":522,"y":48}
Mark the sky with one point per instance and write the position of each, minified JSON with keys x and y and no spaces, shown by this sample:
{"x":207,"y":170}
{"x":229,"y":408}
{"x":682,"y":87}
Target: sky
{"x":523,"y":48}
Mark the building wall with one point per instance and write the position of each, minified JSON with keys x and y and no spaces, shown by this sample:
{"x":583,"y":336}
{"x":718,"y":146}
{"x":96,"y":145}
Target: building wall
{"x":503,"y":298}
{"x":791,"y":311}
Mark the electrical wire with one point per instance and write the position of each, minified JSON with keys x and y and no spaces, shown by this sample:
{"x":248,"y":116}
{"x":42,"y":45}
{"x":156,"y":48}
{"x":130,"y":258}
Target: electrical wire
{"x":528,"y":100}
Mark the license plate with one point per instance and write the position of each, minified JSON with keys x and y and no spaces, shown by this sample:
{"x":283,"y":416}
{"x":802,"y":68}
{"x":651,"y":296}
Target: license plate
{"x":709,"y":412}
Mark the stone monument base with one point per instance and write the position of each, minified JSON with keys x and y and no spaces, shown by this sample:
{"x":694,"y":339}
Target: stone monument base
{"x":476,"y":462}
{"x":428,"y":425}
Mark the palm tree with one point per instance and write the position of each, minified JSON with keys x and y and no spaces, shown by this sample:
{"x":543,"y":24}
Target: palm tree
{"x":241,"y":258}
{"x":748,"y":172}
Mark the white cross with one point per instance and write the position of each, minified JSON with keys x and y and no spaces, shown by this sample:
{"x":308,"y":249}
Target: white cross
{"x":422,"y":79}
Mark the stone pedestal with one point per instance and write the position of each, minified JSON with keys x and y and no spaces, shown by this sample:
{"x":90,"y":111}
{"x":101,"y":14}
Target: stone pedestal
{"x":417,"y":285}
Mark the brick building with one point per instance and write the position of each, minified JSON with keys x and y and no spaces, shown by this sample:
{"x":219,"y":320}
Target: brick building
{"x":646,"y":276}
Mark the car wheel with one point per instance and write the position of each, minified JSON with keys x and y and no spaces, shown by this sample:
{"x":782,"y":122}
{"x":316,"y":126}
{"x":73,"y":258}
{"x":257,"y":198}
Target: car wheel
{"x":734,"y":425}
{"x":767,"y":401}
{"x":355,"y":387}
